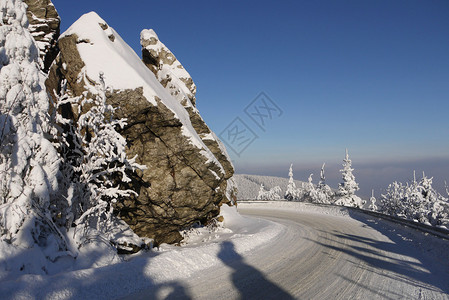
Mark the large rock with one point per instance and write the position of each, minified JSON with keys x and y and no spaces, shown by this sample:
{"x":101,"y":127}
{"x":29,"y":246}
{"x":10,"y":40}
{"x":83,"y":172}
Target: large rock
{"x":177,"y":81}
{"x":184,"y":181}
{"x":44,"y":27}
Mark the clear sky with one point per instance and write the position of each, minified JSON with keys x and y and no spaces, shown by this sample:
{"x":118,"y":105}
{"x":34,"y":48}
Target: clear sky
{"x":370,"y":76}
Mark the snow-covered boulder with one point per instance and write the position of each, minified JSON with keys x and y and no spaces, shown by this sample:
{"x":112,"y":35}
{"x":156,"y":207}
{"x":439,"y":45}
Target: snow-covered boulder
{"x":177,"y":81}
{"x":185,"y":182}
{"x":44,"y":27}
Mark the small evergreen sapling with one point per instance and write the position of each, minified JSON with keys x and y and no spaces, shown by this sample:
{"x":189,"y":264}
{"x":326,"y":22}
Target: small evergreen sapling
{"x":324,"y":192}
{"x":372,"y":202}
{"x":292,"y":193}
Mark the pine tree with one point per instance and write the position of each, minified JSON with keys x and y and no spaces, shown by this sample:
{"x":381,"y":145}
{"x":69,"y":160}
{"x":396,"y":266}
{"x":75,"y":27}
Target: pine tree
{"x":309,"y":190}
{"x":322,"y":177}
{"x":262,"y":192}
{"x":417,"y":201}
{"x":349,"y":186}
{"x":324,"y":193}
{"x":392,"y":202}
{"x":272,"y":194}
{"x":372,"y":202}
{"x":29,"y":163}
{"x":291,"y":193}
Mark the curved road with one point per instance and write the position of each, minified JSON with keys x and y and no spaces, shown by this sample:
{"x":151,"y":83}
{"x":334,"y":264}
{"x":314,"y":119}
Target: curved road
{"x":319,"y":256}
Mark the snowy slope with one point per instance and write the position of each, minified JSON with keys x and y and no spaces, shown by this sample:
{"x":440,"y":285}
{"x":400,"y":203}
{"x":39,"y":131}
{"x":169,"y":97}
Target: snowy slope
{"x":103,"y":50}
{"x":249,"y":185}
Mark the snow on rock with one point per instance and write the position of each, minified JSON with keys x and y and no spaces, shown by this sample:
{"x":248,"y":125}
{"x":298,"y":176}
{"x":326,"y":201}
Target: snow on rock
{"x":186,"y":178}
{"x":168,"y":70}
{"x":44,"y":27}
{"x":177,"y":81}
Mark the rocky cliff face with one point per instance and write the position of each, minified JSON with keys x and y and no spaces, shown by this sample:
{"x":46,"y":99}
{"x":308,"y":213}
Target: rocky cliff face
{"x":44,"y":27}
{"x":177,"y":81}
{"x":188,"y":173}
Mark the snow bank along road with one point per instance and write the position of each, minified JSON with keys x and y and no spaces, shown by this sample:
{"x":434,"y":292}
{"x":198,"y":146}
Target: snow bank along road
{"x":280,"y":250}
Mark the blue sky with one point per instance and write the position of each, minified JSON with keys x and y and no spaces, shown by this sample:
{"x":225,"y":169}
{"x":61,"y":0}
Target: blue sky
{"x":371,"y":76}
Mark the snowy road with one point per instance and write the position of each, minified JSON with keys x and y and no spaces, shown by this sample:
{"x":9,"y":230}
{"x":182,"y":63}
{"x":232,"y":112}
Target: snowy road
{"x":281,"y":250}
{"x":319,"y":256}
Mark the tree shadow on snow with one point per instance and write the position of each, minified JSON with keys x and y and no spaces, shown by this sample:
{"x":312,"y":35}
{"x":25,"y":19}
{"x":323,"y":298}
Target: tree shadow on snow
{"x":250,"y":282}
{"x":423,"y":272}
{"x":125,"y":280}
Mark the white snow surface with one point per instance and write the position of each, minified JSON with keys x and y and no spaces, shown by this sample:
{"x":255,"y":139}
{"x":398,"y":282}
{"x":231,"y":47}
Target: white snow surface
{"x":123,"y":69}
{"x":143,"y":270}
{"x":161,"y":271}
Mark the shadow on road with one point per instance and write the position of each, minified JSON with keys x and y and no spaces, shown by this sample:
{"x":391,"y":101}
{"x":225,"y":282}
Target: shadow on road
{"x":420,"y":270}
{"x":250,"y":282}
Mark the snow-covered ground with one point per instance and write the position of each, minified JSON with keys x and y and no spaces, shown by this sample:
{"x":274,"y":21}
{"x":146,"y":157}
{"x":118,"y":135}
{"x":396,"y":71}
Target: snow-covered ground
{"x":285,"y":250}
{"x":145,"y":270}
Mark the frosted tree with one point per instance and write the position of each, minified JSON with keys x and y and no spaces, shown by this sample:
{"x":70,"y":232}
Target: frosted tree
{"x":309,"y":193}
{"x":262,"y":192}
{"x":324,"y":193}
{"x":292,"y":193}
{"x":416,"y":201}
{"x":322,"y":177}
{"x":349,"y":186}
{"x":372,"y":202}
{"x":392,"y":203}
{"x":98,"y":166}
{"x":272,"y":194}
{"x":433,"y":208}
{"x":28,"y":161}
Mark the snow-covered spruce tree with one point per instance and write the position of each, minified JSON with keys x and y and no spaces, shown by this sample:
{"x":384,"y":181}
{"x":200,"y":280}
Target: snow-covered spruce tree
{"x":28,"y":161}
{"x":324,"y":193}
{"x":416,"y":201}
{"x":349,"y":186}
{"x":272,"y":194}
{"x":392,"y":202}
{"x":372,"y":202}
{"x":262,"y":192}
{"x":292,"y":193}
{"x":309,"y":192}
{"x":433,"y":208}
{"x":96,"y":169}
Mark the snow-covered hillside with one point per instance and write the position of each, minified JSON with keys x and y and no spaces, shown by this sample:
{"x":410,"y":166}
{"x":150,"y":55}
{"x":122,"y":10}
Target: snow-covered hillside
{"x":249,"y":185}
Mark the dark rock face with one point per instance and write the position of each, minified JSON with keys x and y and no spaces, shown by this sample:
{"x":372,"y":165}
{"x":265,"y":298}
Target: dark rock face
{"x":177,"y":81}
{"x":185,"y":182}
{"x":44,"y":27}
